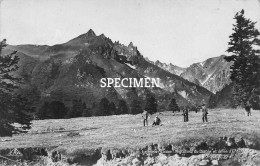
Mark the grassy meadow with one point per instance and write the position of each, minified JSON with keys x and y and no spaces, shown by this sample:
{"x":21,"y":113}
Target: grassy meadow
{"x":127,"y":131}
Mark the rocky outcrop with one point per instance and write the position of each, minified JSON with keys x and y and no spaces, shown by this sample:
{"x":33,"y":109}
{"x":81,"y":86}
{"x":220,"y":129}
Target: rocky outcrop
{"x":201,"y":159}
{"x":225,"y":150}
{"x":219,"y":152}
{"x":218,"y":80}
{"x":168,"y":67}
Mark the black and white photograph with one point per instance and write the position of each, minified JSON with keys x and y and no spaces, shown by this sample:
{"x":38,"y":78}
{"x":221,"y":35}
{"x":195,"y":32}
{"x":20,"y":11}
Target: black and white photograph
{"x":129,"y":82}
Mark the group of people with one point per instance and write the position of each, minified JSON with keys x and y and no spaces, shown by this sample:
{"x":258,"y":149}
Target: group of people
{"x":204,"y":112}
{"x":157,"y":120}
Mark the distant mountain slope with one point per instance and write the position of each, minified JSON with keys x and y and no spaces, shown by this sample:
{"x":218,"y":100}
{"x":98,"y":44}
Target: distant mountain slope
{"x":213,"y":73}
{"x":73,"y":70}
{"x":168,"y":67}
{"x":169,"y":82}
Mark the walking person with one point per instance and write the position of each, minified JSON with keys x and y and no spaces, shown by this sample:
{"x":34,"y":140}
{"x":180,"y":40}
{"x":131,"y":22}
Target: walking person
{"x":204,"y":111}
{"x":145,"y":117}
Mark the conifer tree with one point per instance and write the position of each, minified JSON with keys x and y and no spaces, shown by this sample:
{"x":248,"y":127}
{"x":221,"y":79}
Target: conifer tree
{"x":86,"y":113}
{"x":103,"y":108}
{"x":245,"y":72}
{"x":173,"y":106}
{"x":42,"y":112}
{"x":150,"y":104}
{"x":70,"y":113}
{"x":57,"y":110}
{"x":23,"y":111}
{"x":86,"y":110}
{"x":13,"y":108}
{"x":94,"y":109}
{"x":112,"y":108}
{"x":77,"y":108}
{"x":135,"y":107}
{"x":122,"y":108}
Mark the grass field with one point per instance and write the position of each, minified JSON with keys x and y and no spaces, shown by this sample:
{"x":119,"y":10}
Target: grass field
{"x":127,"y":131}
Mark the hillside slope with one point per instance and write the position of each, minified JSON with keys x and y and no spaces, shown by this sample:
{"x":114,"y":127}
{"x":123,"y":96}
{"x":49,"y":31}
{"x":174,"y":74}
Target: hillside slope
{"x":168,"y":67}
{"x":213,"y":73}
{"x":73,"y":70}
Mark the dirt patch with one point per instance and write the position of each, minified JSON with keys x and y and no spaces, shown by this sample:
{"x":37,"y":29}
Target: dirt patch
{"x":72,"y":134}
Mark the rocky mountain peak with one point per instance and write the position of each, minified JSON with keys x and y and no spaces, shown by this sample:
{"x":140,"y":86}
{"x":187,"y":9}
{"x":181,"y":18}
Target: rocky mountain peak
{"x":157,"y":62}
{"x":169,"y":67}
{"x":90,"y":33}
{"x":131,"y":45}
{"x":102,"y":36}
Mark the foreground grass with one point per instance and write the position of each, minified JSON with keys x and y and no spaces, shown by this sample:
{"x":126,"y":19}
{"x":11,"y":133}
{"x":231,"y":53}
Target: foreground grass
{"x":127,"y":131}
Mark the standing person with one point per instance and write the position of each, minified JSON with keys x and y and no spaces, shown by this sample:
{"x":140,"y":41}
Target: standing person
{"x":196,"y":108}
{"x":145,"y":117}
{"x":204,"y":111}
{"x":248,"y":109}
{"x":185,"y":114}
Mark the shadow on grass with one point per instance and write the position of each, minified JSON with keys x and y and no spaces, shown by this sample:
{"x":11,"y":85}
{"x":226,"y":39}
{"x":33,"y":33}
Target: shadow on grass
{"x":64,"y":131}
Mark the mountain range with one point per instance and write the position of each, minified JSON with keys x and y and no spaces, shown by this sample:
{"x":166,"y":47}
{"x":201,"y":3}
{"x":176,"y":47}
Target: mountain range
{"x":73,"y":70}
{"x":212,"y":74}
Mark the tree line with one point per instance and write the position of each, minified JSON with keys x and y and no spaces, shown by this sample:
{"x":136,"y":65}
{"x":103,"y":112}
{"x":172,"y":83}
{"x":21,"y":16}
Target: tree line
{"x":57,"y":109}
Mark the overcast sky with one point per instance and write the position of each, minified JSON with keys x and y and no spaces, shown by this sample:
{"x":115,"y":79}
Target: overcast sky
{"x":178,"y":31}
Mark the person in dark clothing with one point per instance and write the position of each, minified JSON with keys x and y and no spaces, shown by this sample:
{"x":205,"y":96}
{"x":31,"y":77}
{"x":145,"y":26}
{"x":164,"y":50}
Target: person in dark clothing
{"x":248,"y":109}
{"x":157,"y":121}
{"x":145,"y":117}
{"x":204,"y":111}
{"x":196,"y":108}
{"x":186,"y":114}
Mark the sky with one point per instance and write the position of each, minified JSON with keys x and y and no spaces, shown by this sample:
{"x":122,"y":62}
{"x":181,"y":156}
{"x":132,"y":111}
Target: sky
{"x":180,"y":32}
